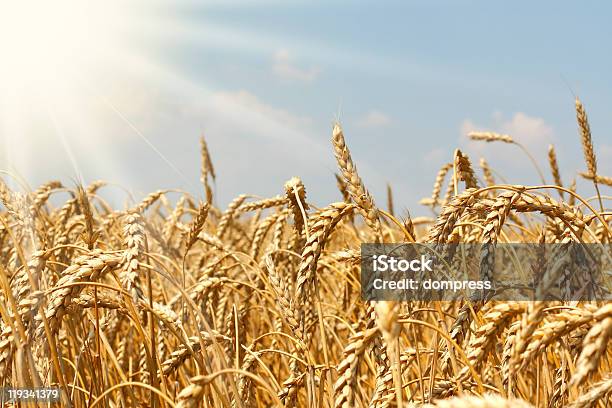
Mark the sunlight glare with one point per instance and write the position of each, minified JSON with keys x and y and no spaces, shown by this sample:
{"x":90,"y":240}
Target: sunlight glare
{"x":44,"y":43}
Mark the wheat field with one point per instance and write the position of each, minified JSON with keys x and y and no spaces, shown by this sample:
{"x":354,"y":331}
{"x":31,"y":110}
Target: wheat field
{"x":174,"y":302}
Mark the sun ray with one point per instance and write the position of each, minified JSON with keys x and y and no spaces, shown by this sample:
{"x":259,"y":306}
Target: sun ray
{"x":67,"y":89}
{"x":66,"y":145}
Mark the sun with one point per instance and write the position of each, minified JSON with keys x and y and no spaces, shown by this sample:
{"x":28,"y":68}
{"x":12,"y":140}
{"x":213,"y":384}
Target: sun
{"x":53,"y":56}
{"x":44,"y":44}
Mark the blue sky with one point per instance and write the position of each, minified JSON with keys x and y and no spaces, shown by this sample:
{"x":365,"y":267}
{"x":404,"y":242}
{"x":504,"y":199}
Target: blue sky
{"x":265,"y":80}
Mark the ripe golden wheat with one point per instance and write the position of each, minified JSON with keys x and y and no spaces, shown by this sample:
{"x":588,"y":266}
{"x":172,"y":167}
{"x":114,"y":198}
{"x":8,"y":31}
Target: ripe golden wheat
{"x":176,"y":302}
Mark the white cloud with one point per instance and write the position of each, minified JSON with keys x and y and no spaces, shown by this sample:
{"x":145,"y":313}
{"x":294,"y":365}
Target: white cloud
{"x":373,"y":118}
{"x":250,"y":102}
{"x":528,"y":130}
{"x":532,"y":132}
{"x":284,"y":67}
{"x":468,"y":126}
{"x":437,"y":156}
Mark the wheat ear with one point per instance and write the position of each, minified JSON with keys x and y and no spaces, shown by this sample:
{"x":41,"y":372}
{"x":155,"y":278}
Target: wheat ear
{"x":359,"y":194}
